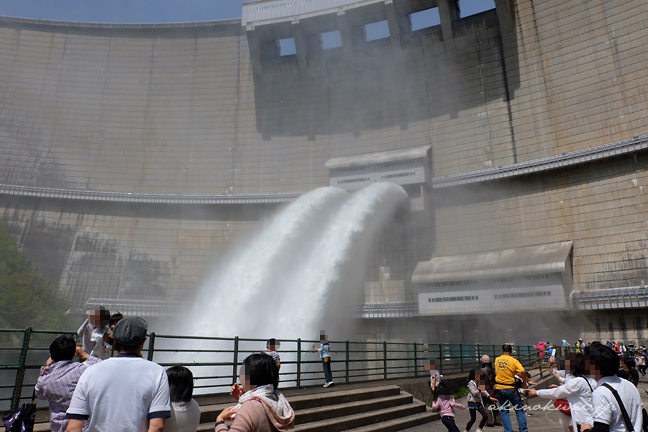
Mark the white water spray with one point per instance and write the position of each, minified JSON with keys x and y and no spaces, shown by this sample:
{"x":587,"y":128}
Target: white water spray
{"x":278,"y":283}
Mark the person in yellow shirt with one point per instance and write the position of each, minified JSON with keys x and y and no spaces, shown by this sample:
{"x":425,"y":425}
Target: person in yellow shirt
{"x":506,"y":366}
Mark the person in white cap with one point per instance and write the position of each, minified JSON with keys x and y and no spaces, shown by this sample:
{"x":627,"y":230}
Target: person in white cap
{"x":123,"y":393}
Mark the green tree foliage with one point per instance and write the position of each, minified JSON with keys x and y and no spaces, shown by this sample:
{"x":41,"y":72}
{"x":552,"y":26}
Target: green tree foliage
{"x":27,"y":299}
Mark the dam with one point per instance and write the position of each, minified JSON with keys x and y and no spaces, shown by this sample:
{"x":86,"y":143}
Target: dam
{"x":135,"y":156}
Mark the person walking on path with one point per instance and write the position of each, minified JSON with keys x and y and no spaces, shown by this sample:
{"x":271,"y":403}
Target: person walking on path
{"x":577,"y":389}
{"x":326,"y":358}
{"x":541,"y":348}
{"x":123,"y":393}
{"x":59,"y":377}
{"x":476,"y":389}
{"x":506,"y":366}
{"x":446,"y":404}
{"x":640,"y":361}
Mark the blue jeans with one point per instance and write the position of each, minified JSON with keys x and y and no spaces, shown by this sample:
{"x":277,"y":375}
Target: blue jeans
{"x":328,"y":376}
{"x":508,"y":398}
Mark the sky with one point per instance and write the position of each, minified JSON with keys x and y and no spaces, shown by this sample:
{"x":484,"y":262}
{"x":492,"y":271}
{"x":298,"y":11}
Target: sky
{"x":150,"y":11}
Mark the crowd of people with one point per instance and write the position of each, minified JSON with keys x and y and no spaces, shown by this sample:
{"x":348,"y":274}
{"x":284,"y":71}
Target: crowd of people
{"x":113,"y":388}
{"x":597,"y":388}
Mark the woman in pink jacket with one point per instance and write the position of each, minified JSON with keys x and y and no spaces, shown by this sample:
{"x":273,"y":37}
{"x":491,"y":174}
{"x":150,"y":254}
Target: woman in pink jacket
{"x":261,"y":407}
{"x":541,"y":347}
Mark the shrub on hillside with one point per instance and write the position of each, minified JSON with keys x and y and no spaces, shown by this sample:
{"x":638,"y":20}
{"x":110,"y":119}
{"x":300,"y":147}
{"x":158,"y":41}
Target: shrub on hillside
{"x":27,"y":299}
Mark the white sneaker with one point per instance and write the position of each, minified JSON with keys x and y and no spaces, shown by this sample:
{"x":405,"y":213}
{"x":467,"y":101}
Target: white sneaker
{"x":327,"y":384}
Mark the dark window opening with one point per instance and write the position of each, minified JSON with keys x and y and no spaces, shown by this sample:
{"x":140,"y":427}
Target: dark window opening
{"x":425,"y":19}
{"x":377,"y":30}
{"x":287,"y":47}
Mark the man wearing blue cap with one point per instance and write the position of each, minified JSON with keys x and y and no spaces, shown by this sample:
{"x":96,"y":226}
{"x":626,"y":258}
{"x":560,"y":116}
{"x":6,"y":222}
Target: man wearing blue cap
{"x":127,"y":393}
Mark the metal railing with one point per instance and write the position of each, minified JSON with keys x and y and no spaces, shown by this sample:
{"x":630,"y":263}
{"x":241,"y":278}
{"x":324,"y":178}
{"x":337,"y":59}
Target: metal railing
{"x":215,"y":361}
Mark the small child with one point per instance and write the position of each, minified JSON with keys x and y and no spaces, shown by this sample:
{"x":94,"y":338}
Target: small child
{"x":446,"y":404}
{"x":476,"y":389}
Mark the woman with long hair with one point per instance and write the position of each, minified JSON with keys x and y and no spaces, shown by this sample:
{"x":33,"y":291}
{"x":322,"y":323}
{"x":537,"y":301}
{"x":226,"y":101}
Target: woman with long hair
{"x":476,"y":389}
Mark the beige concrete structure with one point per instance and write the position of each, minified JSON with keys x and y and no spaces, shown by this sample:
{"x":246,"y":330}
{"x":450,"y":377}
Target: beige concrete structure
{"x":514,"y":103}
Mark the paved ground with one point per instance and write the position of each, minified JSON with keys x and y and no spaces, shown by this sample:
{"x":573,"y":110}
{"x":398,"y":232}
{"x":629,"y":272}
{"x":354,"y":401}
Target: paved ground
{"x":538,"y":421}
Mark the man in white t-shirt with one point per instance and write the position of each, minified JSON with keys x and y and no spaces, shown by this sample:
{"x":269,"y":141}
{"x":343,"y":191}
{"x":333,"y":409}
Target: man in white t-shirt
{"x":127,"y":393}
{"x":607,"y":413}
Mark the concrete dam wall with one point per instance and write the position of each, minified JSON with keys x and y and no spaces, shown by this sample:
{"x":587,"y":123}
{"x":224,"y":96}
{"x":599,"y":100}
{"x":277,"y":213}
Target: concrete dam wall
{"x":143,"y":117}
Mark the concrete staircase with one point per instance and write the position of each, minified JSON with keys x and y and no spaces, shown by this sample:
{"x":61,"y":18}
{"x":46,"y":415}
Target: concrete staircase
{"x":373,"y":409}
{"x":366,"y":409}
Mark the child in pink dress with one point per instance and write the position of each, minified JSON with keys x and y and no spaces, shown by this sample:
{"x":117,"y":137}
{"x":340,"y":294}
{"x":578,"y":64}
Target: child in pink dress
{"x":446,"y":404}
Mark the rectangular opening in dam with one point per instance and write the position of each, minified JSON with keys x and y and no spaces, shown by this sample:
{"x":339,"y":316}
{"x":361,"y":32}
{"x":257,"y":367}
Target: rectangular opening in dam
{"x":332,"y":39}
{"x":425,"y":19}
{"x":376,"y":30}
{"x":473,"y":7}
{"x":287,"y":47}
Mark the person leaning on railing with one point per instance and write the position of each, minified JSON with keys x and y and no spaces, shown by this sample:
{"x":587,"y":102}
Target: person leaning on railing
{"x":59,"y":377}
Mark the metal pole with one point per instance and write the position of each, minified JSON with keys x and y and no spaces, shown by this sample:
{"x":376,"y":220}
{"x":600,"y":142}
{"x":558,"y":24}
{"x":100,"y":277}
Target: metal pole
{"x":347,"y":361}
{"x":440,"y":360}
{"x":385,"y":359}
{"x":151,"y":347}
{"x":415,"y":361}
{"x":299,"y":363}
{"x":235,"y":362}
{"x":461,"y":357}
{"x":20,"y":373}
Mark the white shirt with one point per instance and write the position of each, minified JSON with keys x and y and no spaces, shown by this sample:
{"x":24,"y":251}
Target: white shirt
{"x":185,"y":417}
{"x":86,"y":330}
{"x":606,"y":408}
{"x":579,"y":396}
{"x":121,"y":394}
{"x":100,"y":347}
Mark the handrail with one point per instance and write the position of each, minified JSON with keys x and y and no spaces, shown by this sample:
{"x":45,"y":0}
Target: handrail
{"x":215,"y":360}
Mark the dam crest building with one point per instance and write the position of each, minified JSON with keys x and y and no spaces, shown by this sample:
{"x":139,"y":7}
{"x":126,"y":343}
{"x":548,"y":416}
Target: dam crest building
{"x":134,"y":155}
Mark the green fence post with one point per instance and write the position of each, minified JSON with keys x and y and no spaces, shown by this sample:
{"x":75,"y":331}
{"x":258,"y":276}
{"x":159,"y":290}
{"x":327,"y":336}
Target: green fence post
{"x":151,"y":347}
{"x":235,"y":362}
{"x":20,"y":373}
{"x":461,"y":357}
{"x":440,"y":357}
{"x":299,"y":363}
{"x":385,"y":359}
{"x":479,"y":353}
{"x":347,"y":361}
{"x":415,"y":362}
